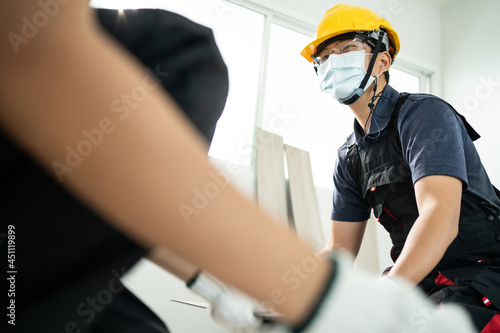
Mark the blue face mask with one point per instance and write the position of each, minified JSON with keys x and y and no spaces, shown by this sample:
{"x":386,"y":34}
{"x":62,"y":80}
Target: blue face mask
{"x":341,"y":75}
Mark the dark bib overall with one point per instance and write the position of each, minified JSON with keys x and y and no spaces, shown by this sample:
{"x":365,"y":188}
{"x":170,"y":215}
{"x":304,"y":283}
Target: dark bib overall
{"x":469,"y":272}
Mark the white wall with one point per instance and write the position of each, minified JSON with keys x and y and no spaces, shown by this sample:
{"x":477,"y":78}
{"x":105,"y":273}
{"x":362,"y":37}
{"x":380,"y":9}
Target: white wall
{"x":471,"y":71}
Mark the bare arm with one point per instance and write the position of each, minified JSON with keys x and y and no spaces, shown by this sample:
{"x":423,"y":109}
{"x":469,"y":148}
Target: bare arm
{"x":347,"y":235}
{"x":173,"y":263}
{"x":144,"y":175}
{"x":438,"y":200}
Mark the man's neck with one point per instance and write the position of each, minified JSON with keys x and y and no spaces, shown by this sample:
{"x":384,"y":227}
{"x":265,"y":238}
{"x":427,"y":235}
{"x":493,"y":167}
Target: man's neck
{"x":361,"y":109}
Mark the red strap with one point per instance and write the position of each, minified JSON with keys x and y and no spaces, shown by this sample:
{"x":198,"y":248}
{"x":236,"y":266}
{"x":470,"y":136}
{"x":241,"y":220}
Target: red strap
{"x":443,"y":280}
{"x":493,"y":325}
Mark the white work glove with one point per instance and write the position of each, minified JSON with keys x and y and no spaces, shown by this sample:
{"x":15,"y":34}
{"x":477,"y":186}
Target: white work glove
{"x":229,"y":308}
{"x":354,"y":303}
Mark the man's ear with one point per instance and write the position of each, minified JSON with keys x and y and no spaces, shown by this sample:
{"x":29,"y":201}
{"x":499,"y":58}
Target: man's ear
{"x":385,"y":61}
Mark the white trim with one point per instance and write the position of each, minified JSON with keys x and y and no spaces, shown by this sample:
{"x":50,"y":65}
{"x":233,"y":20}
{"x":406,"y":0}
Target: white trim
{"x":264,"y":59}
{"x":283,"y":15}
{"x":295,"y":25}
{"x":261,"y":89}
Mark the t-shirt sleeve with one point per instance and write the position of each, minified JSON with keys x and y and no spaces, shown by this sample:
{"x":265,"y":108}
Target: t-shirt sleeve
{"x":432,"y":139}
{"x":348,"y":203}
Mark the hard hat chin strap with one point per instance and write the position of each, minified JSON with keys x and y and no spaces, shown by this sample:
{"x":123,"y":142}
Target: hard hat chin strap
{"x":359,"y":91}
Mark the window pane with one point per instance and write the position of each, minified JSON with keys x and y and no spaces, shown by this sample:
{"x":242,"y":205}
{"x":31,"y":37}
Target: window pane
{"x":296,"y":109}
{"x":403,"y":81}
{"x":238,"y":33}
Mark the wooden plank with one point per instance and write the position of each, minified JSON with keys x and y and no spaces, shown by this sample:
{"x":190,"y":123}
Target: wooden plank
{"x":271,"y":186}
{"x":306,"y":217}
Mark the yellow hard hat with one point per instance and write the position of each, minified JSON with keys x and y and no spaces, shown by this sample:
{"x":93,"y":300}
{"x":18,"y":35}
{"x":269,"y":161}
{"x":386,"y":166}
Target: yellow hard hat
{"x":343,"y":19}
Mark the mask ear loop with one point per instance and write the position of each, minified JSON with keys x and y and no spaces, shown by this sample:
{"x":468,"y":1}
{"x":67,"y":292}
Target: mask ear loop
{"x":371,"y":105}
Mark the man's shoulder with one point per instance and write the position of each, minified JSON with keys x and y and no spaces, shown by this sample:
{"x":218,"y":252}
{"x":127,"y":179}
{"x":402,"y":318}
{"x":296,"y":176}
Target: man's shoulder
{"x":417,"y":98}
{"x":424,"y":97}
{"x":421,"y":105}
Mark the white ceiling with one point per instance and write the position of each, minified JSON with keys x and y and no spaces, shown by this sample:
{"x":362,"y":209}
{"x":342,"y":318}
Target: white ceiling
{"x":437,"y":3}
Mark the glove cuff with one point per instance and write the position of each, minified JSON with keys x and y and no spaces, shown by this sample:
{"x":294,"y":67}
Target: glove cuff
{"x":193,"y":279}
{"x":325,"y":295}
{"x":206,"y":286}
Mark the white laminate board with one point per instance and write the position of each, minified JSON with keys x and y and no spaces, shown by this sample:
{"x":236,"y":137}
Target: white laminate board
{"x":305,"y":207}
{"x":271,"y":188}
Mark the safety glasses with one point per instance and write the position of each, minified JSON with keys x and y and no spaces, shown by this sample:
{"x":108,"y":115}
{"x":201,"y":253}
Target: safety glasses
{"x":339,"y":47}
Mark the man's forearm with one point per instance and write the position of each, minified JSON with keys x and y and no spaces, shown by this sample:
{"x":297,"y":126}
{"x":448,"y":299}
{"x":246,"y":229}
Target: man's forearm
{"x":173,"y":263}
{"x":425,"y":246}
{"x":348,"y":235}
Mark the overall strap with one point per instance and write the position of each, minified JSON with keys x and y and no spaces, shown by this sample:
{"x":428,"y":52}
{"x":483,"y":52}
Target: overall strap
{"x":400,"y":103}
{"x":471,"y":131}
